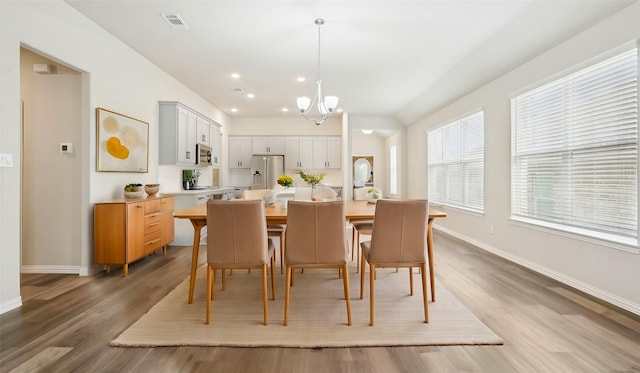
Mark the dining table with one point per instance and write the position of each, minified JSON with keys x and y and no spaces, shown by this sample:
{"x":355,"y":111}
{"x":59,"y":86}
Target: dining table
{"x":276,"y":214}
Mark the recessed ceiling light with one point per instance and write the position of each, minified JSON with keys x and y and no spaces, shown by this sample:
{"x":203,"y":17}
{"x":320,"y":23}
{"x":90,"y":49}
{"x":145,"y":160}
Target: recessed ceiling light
{"x":301,"y":79}
{"x":235,"y":75}
{"x":234,"y":110}
{"x":284,"y":109}
{"x":367,"y":132}
{"x":250,"y":95}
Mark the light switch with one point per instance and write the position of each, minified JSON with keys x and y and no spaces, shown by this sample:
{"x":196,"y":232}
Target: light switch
{"x":6,"y":160}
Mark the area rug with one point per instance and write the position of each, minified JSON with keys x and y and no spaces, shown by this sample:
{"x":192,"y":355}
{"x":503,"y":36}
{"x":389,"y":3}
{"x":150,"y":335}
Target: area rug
{"x":317,"y":316}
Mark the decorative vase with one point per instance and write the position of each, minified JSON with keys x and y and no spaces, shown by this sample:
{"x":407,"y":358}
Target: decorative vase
{"x":269,"y":197}
{"x":284,"y":203}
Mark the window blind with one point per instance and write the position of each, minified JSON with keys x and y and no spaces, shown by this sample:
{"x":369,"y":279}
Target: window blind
{"x":456,"y":163}
{"x":574,"y":151}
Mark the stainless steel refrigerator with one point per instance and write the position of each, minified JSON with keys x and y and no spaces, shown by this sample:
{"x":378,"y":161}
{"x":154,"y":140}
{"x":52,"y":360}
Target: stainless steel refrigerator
{"x":265,"y":170}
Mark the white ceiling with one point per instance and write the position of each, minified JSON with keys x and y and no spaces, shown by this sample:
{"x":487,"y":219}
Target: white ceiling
{"x":390,"y":58}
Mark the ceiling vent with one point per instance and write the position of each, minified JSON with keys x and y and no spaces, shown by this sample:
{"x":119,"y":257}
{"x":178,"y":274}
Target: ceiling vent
{"x":175,"y":21}
{"x":238,"y":90}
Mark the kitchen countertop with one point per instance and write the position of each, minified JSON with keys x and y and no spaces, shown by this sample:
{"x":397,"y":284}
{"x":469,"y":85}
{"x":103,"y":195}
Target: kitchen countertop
{"x":200,"y":191}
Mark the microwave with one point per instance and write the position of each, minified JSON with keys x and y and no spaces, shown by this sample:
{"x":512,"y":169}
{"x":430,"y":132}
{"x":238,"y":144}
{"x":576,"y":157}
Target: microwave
{"x":203,"y":155}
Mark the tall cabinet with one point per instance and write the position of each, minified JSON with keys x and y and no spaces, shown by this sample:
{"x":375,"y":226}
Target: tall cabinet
{"x":126,"y":230}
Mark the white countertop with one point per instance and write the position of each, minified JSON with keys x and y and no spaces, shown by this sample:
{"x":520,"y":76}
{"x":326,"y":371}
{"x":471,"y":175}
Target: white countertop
{"x":200,"y":191}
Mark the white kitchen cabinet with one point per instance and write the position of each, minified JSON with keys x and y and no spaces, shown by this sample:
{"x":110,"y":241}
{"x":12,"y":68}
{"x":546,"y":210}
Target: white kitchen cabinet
{"x":177,"y":134}
{"x":298,"y":153}
{"x":327,"y":153}
{"x":240,"y":152}
{"x":216,"y":144}
{"x":202,"y":132}
{"x":268,"y":145}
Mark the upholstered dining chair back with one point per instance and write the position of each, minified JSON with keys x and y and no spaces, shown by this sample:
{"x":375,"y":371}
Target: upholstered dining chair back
{"x":253,"y":193}
{"x":400,"y":232}
{"x":316,"y":239}
{"x":315,"y":233}
{"x":237,"y":232}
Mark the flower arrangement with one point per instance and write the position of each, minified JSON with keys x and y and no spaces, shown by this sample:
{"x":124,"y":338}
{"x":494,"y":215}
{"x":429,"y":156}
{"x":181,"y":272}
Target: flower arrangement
{"x":311,"y":179}
{"x":285,"y":180}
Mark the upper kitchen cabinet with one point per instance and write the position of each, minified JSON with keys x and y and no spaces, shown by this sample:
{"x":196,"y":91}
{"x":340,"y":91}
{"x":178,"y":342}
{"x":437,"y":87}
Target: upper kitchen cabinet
{"x":216,"y":143}
{"x":202,"y":132}
{"x":240,"y":152}
{"x":327,"y":153}
{"x":268,"y":145}
{"x":178,"y":127}
{"x":298,"y":153}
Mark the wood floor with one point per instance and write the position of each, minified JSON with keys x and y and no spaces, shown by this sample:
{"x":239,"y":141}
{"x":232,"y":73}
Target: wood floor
{"x":67,"y":322}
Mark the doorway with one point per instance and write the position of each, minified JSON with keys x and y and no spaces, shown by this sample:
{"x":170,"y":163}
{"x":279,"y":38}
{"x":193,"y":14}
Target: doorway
{"x":51,"y":178}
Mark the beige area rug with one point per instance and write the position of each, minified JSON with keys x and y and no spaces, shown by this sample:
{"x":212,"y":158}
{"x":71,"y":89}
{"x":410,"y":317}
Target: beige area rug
{"x":317,"y":316}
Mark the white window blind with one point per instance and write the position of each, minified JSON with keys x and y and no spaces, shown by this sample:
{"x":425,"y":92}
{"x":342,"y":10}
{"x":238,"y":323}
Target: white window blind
{"x":574,"y":151}
{"x":456,"y":163}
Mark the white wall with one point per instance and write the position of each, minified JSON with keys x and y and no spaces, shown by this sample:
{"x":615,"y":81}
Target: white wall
{"x":52,"y":115}
{"x":114,"y":77}
{"x":606,"y":272}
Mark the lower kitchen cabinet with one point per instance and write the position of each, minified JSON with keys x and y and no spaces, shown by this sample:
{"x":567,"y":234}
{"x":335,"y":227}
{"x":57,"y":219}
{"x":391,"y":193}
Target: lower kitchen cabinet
{"x":126,"y":230}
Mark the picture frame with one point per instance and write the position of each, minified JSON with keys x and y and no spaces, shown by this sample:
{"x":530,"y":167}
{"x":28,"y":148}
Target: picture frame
{"x":122,"y":143}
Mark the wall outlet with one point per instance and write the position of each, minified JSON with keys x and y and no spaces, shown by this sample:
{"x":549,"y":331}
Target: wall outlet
{"x":6,"y":160}
{"x":491,"y":230}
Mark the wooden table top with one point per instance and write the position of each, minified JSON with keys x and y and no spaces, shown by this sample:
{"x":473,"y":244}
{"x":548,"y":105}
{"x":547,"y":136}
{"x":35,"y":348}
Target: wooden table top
{"x":354,"y":210}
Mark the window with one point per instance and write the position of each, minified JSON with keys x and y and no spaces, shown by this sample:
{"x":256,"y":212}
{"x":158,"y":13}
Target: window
{"x":393,"y":170}
{"x":574,"y":152}
{"x":456,"y":163}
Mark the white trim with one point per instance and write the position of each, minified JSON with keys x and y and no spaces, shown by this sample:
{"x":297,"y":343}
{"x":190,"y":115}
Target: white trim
{"x":625,"y":47}
{"x":570,"y":281}
{"x":70,"y":270}
{"x":11,"y":304}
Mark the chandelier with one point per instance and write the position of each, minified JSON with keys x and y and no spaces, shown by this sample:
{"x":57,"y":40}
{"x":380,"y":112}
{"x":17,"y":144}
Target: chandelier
{"x":326,"y":105}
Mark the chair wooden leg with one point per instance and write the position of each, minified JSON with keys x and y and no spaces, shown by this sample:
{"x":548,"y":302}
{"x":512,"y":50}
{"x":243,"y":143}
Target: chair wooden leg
{"x":358,"y":249}
{"x":208,"y":315}
{"x":286,"y":296}
{"x":372,"y":275}
{"x":353,"y":241}
{"x":410,"y":281}
{"x":425,"y":300}
{"x":264,"y":294}
{"x":213,"y":282}
{"x":273,"y":278}
{"x":347,"y":296}
{"x":362,"y":265}
{"x":281,"y":253}
{"x":224,"y":279}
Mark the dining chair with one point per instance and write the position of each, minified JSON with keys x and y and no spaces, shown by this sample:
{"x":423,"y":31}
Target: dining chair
{"x":362,"y":226}
{"x":316,"y":239}
{"x":237,"y":238}
{"x":273,"y":230}
{"x":398,"y":239}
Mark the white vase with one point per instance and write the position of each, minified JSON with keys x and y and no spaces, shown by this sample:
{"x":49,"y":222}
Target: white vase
{"x":269,"y":197}
{"x":283,"y":203}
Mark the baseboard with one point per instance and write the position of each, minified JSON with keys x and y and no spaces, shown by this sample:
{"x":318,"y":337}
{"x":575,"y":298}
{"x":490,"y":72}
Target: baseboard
{"x":570,"y":281}
{"x":67,"y":270}
{"x":10,"y":305}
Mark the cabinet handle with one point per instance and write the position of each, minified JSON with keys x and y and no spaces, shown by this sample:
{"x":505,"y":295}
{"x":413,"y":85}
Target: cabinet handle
{"x":188,"y":155}
{"x":203,"y":138}
{"x":152,"y":242}
{"x":139,"y":206}
{"x":153,"y":215}
{"x":152,"y":224}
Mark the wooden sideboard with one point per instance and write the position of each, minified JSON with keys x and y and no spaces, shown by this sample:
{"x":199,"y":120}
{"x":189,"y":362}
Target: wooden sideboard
{"x":126,"y":230}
